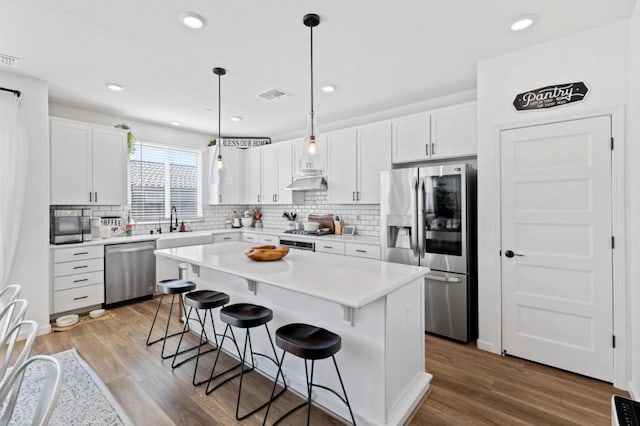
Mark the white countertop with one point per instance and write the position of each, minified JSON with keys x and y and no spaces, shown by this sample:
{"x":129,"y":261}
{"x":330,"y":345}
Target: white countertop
{"x":350,"y":281}
{"x":265,"y":231}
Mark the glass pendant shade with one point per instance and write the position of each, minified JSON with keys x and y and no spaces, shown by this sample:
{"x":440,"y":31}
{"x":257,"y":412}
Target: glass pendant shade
{"x":311,"y":161}
{"x":220,"y":173}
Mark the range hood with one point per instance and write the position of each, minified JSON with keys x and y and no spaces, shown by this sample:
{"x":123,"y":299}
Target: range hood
{"x":308,"y":183}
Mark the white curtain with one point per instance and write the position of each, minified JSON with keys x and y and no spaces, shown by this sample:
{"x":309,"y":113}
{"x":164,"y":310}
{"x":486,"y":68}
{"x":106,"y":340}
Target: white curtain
{"x":13,"y":176}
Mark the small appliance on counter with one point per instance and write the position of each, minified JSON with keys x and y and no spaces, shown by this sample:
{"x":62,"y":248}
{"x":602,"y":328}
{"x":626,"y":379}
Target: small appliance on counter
{"x":115,"y":225}
{"x":69,"y":225}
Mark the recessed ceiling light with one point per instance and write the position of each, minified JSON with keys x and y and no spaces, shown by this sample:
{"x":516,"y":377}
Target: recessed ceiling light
{"x":523,"y":23}
{"x":236,"y":118}
{"x":114,"y":87}
{"x":175,"y":123}
{"x":192,"y":20}
{"x":328,"y":89}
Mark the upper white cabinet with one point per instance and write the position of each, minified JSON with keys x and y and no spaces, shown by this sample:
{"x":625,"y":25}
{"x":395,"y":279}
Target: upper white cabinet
{"x":411,"y":138}
{"x":253,"y":176}
{"x":232,"y":193}
{"x":443,"y":133}
{"x":374,"y":156}
{"x":88,"y":163}
{"x":277,"y":172}
{"x":341,"y":173}
{"x":453,"y":131}
{"x":356,"y":158}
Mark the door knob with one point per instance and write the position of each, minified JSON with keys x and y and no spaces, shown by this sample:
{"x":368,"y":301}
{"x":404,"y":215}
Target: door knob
{"x":510,"y":254}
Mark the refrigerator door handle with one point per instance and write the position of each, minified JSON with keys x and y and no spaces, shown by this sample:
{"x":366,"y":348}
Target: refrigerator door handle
{"x":414,"y":217}
{"x":443,"y":279}
{"x":421,"y":243}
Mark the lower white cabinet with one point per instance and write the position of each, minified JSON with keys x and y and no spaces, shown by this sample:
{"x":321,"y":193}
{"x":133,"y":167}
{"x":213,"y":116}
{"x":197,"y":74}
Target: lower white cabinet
{"x":330,"y":247}
{"x":77,"y":279}
{"x":223,"y":238}
{"x":250,"y":237}
{"x":270,"y":239}
{"x":362,"y":250}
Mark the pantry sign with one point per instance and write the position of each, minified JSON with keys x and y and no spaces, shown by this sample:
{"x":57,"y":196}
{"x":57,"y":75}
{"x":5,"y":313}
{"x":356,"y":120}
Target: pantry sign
{"x":551,"y":96}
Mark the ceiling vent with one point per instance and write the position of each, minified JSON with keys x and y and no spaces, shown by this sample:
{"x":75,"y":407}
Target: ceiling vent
{"x":274,"y":94}
{"x":8,"y":61}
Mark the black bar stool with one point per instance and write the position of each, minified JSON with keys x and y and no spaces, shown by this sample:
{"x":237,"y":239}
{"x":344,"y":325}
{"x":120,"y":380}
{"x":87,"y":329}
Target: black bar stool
{"x":206,"y":300}
{"x":171,"y":287}
{"x":309,"y":343}
{"x":247,"y":316}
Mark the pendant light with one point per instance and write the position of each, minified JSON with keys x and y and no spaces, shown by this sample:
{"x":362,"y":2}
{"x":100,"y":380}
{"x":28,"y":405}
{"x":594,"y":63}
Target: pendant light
{"x":220,"y":173}
{"x":311,"y":161}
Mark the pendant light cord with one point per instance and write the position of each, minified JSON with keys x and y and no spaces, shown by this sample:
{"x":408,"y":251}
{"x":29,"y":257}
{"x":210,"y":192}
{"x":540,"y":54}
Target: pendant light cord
{"x":219,"y":117}
{"x":312,"y":113}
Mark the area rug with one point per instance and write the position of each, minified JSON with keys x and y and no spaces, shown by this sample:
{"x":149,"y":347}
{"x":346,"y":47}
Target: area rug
{"x":84,"y":398}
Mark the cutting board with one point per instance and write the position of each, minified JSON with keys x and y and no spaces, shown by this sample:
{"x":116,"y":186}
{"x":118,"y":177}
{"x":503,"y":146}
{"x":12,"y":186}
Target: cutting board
{"x":325,"y":221}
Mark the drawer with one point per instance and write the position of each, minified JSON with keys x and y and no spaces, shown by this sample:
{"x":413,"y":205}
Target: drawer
{"x":270,"y":239}
{"x":77,"y":298}
{"x":78,"y":253}
{"x":330,"y":247}
{"x":251,"y":238}
{"x":363,"y":250}
{"x":78,"y":267}
{"x":78,"y":280}
{"x":222,"y":238}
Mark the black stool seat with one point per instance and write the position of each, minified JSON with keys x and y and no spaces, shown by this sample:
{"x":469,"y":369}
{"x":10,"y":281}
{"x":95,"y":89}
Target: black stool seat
{"x":176,"y":286}
{"x":246,"y":315}
{"x":206,"y":299}
{"x":308,"y":341}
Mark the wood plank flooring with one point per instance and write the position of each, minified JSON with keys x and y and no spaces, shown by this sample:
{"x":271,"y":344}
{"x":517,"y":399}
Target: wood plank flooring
{"x":469,"y":387}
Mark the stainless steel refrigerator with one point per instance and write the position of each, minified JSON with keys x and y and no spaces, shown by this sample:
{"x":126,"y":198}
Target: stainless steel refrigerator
{"x":428,"y":219}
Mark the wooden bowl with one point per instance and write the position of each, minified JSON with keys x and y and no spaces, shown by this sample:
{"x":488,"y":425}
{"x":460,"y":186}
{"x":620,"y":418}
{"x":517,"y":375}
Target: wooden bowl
{"x":266,"y":253}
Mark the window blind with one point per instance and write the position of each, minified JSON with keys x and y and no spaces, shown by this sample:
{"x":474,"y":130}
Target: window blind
{"x":162,"y":177}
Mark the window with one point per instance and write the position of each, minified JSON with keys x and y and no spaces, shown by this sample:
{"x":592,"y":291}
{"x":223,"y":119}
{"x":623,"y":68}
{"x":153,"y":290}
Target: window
{"x":161,"y":177}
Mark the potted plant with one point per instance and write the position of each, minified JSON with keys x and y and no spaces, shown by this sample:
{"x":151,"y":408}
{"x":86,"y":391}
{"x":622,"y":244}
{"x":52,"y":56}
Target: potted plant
{"x":257,"y":217}
{"x":131,"y":138}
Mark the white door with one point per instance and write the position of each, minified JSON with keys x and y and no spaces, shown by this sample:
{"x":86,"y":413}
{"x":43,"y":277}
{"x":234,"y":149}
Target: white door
{"x":411,"y":139}
{"x":269,"y":161}
{"x":285,"y":173}
{"x":557,"y":245}
{"x":109,"y":167}
{"x":453,"y":131}
{"x":70,"y":163}
{"x":342,"y":167}
{"x":374,"y":156}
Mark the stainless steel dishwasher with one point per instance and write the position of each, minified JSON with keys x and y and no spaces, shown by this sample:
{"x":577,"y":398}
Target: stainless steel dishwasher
{"x":130,"y":271}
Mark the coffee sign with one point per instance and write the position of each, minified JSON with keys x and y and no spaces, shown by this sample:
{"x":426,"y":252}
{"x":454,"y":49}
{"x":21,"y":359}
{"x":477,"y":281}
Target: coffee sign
{"x":245,"y":142}
{"x":551,"y":96}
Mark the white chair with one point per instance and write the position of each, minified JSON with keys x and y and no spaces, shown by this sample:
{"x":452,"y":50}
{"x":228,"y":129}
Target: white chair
{"x":12,"y":314}
{"x":48,"y":395}
{"x":9,"y":294}
{"x":29,"y":329}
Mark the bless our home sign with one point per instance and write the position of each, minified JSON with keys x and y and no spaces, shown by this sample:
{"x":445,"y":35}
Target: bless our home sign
{"x":551,"y":96}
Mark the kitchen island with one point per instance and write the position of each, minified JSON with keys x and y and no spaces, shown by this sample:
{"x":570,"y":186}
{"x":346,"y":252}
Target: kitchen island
{"x":376,"y":307}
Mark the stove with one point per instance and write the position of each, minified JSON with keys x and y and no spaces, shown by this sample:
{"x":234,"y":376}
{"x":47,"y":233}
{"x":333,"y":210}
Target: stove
{"x":318,"y":233}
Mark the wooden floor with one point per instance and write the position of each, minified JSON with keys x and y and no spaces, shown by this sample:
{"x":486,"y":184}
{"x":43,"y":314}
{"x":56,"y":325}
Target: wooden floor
{"x":469,"y":386}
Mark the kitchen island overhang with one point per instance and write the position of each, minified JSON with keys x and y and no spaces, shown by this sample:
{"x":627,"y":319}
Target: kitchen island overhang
{"x":376,"y":307}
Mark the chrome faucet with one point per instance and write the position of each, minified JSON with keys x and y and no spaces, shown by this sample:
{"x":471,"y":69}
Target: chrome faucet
{"x":171,"y":227}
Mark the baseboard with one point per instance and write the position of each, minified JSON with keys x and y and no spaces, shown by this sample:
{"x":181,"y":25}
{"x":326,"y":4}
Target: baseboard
{"x":633,"y":390}
{"x":486,"y":346}
{"x":44,"y":329}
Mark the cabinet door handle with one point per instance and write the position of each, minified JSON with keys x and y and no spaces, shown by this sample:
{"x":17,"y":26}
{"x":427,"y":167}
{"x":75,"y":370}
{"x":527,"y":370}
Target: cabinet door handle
{"x":96,"y":197}
{"x":79,"y":281}
{"x":361,"y":251}
{"x":354,"y":195}
{"x":80,"y":252}
{"x":81,"y":267}
{"x":258,"y":197}
{"x":357,"y":195}
{"x":226,"y":238}
{"x":220,"y":198}
{"x":90,"y":200}
{"x":80,"y":298}
{"x":427,"y":149}
{"x":328,"y":247}
{"x":277,"y":196}
{"x":433,"y":148}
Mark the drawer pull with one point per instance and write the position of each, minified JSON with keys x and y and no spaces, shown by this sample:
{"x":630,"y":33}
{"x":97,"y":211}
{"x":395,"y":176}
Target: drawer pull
{"x":81,"y":297}
{"x":361,"y":251}
{"x":227,"y":238}
{"x":328,"y":247}
{"x":79,"y":281}
{"x":80,"y":253}
{"x":81,"y":267}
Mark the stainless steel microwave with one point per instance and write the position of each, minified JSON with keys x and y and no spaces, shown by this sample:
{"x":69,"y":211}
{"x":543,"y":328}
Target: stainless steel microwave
{"x":69,"y":225}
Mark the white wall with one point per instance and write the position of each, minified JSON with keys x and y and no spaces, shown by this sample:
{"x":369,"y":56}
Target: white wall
{"x":599,"y":57}
{"x":633,"y":177}
{"x":31,"y":265}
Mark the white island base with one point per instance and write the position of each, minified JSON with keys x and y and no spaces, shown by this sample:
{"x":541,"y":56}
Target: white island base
{"x":382,"y":358}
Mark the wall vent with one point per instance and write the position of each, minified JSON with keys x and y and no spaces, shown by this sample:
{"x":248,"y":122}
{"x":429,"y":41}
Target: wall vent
{"x":274,"y":94}
{"x":8,"y":61}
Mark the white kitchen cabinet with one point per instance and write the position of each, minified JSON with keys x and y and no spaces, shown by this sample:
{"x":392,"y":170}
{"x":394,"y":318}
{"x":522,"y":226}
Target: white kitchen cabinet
{"x":362,"y":250}
{"x":411,"y":138}
{"x":374,"y":156}
{"x":269,"y":164}
{"x":284,"y":172}
{"x":225,"y":238}
{"x":454,"y":131}
{"x":77,"y":278}
{"x":341,"y":173}
{"x":250,"y":237}
{"x":232,"y":193}
{"x":270,"y":239}
{"x":253,"y":176}
{"x":88,"y":163}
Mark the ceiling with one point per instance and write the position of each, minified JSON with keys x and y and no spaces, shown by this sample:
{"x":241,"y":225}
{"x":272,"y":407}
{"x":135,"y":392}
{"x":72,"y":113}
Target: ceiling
{"x":380,"y":54}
